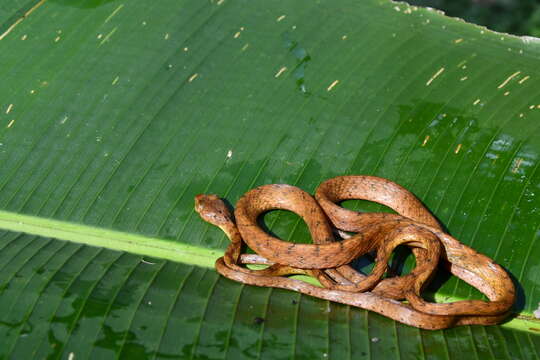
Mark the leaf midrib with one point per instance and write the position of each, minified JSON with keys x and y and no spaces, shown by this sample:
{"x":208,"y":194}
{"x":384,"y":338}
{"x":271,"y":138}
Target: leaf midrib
{"x":160,"y":248}
{"x":110,"y":239}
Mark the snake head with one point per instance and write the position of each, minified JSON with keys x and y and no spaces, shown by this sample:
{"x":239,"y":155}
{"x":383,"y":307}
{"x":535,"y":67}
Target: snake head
{"x":212,"y":209}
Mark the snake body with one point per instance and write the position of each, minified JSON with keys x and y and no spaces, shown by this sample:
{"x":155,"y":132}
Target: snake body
{"x":327,"y":259}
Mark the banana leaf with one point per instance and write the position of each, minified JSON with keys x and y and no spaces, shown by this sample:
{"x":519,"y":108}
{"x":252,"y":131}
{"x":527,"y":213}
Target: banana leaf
{"x":115,"y":114}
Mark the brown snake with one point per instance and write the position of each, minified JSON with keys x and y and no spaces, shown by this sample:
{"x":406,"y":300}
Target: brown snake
{"x":327,"y":259}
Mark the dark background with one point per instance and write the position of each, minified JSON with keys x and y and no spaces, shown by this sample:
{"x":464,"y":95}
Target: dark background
{"x":519,"y":17}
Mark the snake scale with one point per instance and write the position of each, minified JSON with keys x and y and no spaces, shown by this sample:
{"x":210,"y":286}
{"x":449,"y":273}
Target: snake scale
{"x":328,"y":258}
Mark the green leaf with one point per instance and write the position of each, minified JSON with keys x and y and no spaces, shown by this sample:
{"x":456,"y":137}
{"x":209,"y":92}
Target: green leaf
{"x":114,"y":115}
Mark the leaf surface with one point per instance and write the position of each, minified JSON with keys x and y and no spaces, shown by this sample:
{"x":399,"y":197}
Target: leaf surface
{"x":114,"y":115}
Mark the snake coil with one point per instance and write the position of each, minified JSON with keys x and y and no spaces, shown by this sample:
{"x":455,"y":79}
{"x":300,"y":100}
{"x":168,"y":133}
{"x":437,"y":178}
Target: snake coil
{"x":327,"y":260}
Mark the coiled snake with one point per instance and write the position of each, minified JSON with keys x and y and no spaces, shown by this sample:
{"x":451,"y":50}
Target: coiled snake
{"x":327,"y":259}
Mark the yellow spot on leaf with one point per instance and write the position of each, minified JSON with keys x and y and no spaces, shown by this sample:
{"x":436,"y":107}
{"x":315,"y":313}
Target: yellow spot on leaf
{"x":281,"y":18}
{"x":108,"y":36}
{"x":516,"y":165}
{"x":113,"y":13}
{"x":458,"y":148}
{"x":426,"y":139}
{"x":439,"y":72}
{"x":193,"y":77}
{"x":332,"y":85}
{"x":280,"y":71}
{"x":19,"y":20}
{"x":524,"y":79}
{"x":503,"y":84}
